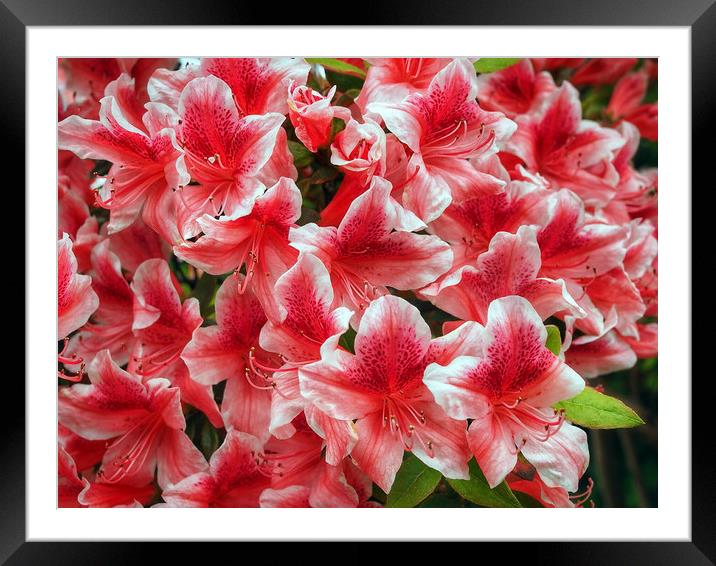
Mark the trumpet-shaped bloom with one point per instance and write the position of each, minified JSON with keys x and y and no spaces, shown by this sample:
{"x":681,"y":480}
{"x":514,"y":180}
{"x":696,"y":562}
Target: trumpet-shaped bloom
{"x":606,"y":354}
{"x":647,"y":345}
{"x":136,"y":244}
{"x":76,"y":301}
{"x":259,"y":85}
{"x":257,"y":239}
{"x":236,"y":476}
{"x":508,"y":390}
{"x":228,"y":153}
{"x":112,"y":326}
{"x":391,"y":80}
{"x":566,"y":150}
{"x":509,"y":267}
{"x":143,"y":421}
{"x":576,"y":246}
{"x":373,"y":248}
{"x":469,"y":224}
{"x":162,"y":326}
{"x":311,"y":114}
{"x":307,"y":321}
{"x":602,"y":70}
{"x":381,"y":386}
{"x":302,"y":478}
{"x":148,"y":164}
{"x":229,"y":352}
{"x":442,"y":127}
{"x":360,"y":150}
{"x":515,"y":90}
{"x":613,"y":292}
{"x":626,"y":104}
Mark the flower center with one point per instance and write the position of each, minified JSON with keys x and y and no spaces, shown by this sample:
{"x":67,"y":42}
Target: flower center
{"x":407,"y":422}
{"x":137,"y":453}
{"x":358,"y":290}
{"x":250,"y":258}
{"x":538,"y":424}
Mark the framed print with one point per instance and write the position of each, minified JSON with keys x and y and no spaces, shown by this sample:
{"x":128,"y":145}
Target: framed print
{"x":398,"y":274}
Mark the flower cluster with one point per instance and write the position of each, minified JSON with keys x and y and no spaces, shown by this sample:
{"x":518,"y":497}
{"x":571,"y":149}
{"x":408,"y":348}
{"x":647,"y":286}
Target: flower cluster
{"x":278,"y":278}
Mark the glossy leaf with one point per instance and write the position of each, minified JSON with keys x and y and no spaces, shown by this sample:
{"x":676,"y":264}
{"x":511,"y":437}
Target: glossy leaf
{"x":478,"y":491}
{"x":494,"y":64}
{"x":413,"y":483}
{"x":554,"y":340}
{"x":593,"y":409}
{"x":337,"y":66}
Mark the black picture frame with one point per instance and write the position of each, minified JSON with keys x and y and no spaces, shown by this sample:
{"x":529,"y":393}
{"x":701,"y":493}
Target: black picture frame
{"x":699,"y":15}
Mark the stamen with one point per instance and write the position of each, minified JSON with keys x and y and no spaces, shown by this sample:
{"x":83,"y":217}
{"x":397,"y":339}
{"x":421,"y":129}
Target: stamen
{"x":579,"y":499}
{"x":137,"y":454}
{"x":248,"y":373}
{"x":407,"y":422}
{"x":408,"y":179}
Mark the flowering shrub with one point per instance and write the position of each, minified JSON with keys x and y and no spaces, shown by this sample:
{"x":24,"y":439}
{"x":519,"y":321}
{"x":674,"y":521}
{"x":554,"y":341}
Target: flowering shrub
{"x":348,"y":282}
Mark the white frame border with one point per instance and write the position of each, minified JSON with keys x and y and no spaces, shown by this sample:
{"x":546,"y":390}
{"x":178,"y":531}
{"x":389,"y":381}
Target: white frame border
{"x":670,"y":521}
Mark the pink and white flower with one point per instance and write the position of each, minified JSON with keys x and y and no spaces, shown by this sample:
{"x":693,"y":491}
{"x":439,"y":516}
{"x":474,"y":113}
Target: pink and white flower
{"x":508,"y":390}
{"x":443,"y":127}
{"x":143,"y":421}
{"x":381,"y":386}
{"x":374,"y":247}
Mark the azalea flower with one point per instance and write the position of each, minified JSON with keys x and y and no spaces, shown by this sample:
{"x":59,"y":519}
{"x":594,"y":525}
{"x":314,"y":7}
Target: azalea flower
{"x":228,"y":153}
{"x":508,"y":390}
{"x":470,"y":223}
{"x":362,"y":150}
{"x":606,"y":354}
{"x":162,"y":326}
{"x":307,"y":322}
{"x":84,"y":81}
{"x":515,"y":90}
{"x":566,"y":150}
{"x":258,"y":85}
{"x":148,"y":164}
{"x":302,"y":478}
{"x":442,"y":127}
{"x":381,"y":386}
{"x":373,"y":248}
{"x":76,"y":301}
{"x":626,"y":104}
{"x":144,"y":422}
{"x":509,"y":267}
{"x":601,"y":70}
{"x":312,"y":115}
{"x":112,"y":326}
{"x":391,"y":80}
{"x":525,"y":480}
{"x":229,"y":351}
{"x":235,"y":477}
{"x":257,"y":240}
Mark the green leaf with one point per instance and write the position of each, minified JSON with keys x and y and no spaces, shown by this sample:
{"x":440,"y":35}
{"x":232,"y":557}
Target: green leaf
{"x":413,"y":483}
{"x":593,"y":409}
{"x":204,"y":293}
{"x":494,"y":64}
{"x":343,"y":82}
{"x":209,"y":440}
{"x":478,"y":491}
{"x":301,"y":156}
{"x":526,"y":500}
{"x":443,"y":501}
{"x":337,"y":66}
{"x":554,"y":340}
{"x":347,"y":339}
